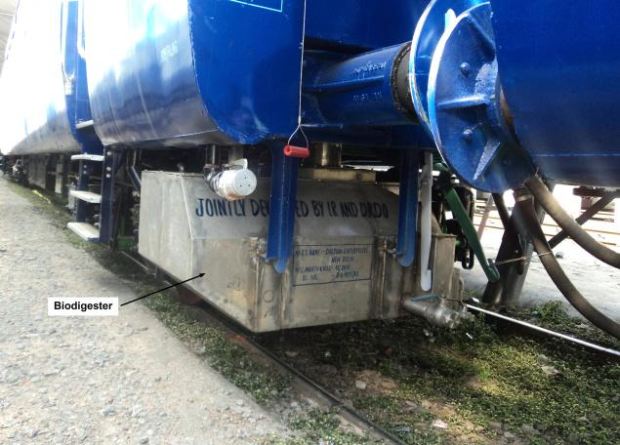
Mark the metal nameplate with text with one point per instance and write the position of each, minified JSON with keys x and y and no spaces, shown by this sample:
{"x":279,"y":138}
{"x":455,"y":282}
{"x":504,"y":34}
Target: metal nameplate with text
{"x":332,"y":264}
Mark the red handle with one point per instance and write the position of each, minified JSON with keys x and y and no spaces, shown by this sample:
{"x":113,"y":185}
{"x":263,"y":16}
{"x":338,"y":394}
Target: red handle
{"x":292,"y":151}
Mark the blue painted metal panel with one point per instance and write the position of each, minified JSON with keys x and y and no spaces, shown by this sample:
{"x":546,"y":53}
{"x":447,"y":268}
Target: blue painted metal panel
{"x":33,"y":107}
{"x":364,"y":24}
{"x":248,"y":63}
{"x":192,"y":72}
{"x":560,"y":71}
{"x":282,"y":208}
{"x":76,"y":82}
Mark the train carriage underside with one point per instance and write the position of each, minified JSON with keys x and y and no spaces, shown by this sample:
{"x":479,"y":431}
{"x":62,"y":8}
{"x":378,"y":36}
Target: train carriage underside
{"x":315,"y":161}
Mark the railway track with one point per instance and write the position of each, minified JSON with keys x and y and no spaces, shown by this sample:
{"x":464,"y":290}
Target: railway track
{"x":308,"y":388}
{"x":303,"y":385}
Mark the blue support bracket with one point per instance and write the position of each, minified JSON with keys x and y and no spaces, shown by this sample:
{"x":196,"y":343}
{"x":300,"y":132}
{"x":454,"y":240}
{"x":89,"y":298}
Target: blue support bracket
{"x":408,"y":208}
{"x":111,"y":164}
{"x":282,"y":208}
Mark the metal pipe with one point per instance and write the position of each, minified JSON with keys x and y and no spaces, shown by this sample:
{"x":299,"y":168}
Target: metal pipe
{"x":426,"y":223}
{"x":569,"y":225}
{"x":326,"y":155}
{"x":532,"y":227}
{"x":502,"y":210}
{"x":368,"y":89}
{"x":586,"y":216}
{"x":433,"y":309}
{"x":234,"y":154}
{"x":545,"y":331}
{"x":485,"y":216}
{"x":134,"y":177}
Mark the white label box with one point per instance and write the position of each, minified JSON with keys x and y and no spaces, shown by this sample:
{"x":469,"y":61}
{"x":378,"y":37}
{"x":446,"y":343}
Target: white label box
{"x":82,"y":307}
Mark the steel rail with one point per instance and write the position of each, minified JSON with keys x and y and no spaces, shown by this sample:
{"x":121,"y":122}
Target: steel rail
{"x":546,"y":331}
{"x":303,"y":384}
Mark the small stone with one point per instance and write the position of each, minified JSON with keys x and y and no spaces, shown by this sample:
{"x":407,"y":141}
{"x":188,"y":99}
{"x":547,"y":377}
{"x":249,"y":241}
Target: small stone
{"x":144,"y":440}
{"x":411,"y":406}
{"x":495,"y":426}
{"x":404,"y":429}
{"x":469,"y":426}
{"x":439,"y":424}
{"x":240,"y":402}
{"x":108,"y":411}
{"x":508,"y":435}
{"x":50,"y":372}
{"x":291,"y":354}
{"x":528,"y":429}
{"x":360,"y":385}
{"x":550,"y":370}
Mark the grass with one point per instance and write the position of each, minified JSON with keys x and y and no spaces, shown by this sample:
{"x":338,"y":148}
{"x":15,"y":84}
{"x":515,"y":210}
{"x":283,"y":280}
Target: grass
{"x":320,"y":427}
{"x":232,"y":361}
{"x":487,"y":385}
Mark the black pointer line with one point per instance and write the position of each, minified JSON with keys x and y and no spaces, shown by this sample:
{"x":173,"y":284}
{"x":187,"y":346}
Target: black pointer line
{"x":161,"y":290}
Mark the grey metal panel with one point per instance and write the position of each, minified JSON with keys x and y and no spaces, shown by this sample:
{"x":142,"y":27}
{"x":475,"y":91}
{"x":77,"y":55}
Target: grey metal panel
{"x":343,"y":267}
{"x":336,"y":273}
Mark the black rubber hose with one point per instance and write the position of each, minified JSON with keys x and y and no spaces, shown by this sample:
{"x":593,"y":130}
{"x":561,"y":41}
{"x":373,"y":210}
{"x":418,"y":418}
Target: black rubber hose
{"x":530,"y":224}
{"x":569,"y":225}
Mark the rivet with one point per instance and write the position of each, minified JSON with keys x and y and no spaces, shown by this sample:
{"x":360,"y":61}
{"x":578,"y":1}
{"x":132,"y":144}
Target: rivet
{"x":465,"y":68}
{"x":468,"y":135}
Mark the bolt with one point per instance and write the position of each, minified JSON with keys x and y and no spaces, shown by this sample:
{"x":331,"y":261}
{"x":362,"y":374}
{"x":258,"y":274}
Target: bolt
{"x":465,"y":68}
{"x":109,"y":153}
{"x":108,"y":176}
{"x":468,"y":135}
{"x":108,"y":169}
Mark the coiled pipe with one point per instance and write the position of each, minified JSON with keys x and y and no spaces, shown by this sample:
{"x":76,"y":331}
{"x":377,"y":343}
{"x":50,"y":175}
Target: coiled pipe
{"x":530,"y":224}
{"x":569,"y":225}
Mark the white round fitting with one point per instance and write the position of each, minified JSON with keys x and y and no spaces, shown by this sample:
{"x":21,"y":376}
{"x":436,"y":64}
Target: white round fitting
{"x":235,"y":184}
